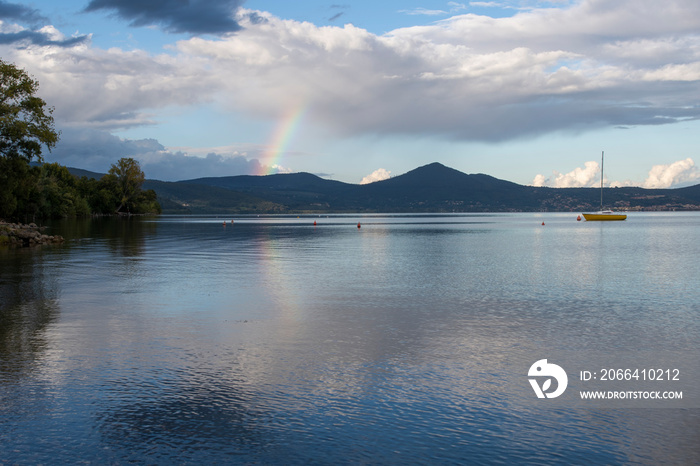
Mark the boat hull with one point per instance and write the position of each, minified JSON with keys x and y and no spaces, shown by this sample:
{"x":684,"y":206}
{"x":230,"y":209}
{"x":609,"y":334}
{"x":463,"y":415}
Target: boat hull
{"x":601,"y":216}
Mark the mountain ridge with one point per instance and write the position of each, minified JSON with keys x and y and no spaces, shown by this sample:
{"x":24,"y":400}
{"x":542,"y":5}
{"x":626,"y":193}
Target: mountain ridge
{"x":430,"y":188}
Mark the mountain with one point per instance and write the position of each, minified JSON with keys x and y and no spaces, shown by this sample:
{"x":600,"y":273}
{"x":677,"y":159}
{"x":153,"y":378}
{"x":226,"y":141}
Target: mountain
{"x":433,"y":187}
{"x":430,"y":188}
{"x":192,"y":198}
{"x":436,"y":187}
{"x":79,"y":172}
{"x":297,"y":191}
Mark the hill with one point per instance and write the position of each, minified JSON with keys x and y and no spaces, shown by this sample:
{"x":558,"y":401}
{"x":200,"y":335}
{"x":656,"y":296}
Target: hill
{"x":79,"y":172}
{"x":436,"y":187}
{"x":430,"y":188}
{"x":192,"y":198}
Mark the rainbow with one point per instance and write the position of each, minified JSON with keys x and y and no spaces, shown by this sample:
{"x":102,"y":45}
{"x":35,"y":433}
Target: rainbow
{"x":280,"y":140}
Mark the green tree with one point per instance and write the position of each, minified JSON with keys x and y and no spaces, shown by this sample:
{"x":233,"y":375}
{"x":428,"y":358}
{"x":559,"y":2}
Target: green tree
{"x":125,"y":178}
{"x":25,"y":121}
{"x":26,"y":125}
{"x":59,"y":194}
{"x":147,"y":203}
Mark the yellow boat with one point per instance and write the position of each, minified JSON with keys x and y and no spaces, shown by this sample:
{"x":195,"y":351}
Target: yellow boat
{"x":603,"y":215}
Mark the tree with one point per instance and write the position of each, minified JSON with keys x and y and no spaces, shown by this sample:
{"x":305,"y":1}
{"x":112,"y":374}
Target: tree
{"x":25,"y":125}
{"x":126,"y":179}
{"x":25,"y":121}
{"x":59,"y":194}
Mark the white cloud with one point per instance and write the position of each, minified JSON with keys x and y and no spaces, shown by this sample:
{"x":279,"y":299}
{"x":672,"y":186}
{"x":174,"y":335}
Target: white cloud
{"x":588,"y":176}
{"x":539,"y":181}
{"x":276,"y":168}
{"x":674,"y":174}
{"x":423,"y":11}
{"x":469,"y":77}
{"x":377,"y":175}
{"x":589,"y":65}
{"x":454,"y":8}
{"x":112,"y":89}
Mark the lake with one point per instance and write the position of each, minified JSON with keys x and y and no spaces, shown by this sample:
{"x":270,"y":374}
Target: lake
{"x":414,"y":339}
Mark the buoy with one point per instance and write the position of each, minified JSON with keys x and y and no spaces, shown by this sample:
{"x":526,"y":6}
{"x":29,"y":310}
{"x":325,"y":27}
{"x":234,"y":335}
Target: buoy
{"x":314,"y":222}
{"x":358,"y":225}
{"x":231,"y":222}
{"x":224,"y":222}
{"x":578,"y":219}
{"x":542,"y":223}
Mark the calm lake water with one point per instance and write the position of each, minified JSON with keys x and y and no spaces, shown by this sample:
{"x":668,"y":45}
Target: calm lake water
{"x":406,"y":341}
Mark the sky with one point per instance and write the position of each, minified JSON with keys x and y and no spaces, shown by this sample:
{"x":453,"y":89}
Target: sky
{"x":527,"y":91}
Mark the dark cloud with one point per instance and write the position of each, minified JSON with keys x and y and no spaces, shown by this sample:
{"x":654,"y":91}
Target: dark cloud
{"x":39,"y":38}
{"x":178,"y":16}
{"x":20,"y":13}
{"x":30,"y":16}
{"x":339,"y":14}
{"x":335,"y":16}
{"x":176,"y":166}
{"x":96,"y":151}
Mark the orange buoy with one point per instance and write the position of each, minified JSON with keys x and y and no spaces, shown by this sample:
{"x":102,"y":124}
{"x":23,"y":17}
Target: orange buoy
{"x":358,"y":225}
{"x":542,"y":223}
{"x":578,"y":219}
{"x":314,"y":222}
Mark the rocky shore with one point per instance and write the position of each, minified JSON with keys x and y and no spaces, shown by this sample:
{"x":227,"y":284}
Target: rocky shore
{"x":17,"y":234}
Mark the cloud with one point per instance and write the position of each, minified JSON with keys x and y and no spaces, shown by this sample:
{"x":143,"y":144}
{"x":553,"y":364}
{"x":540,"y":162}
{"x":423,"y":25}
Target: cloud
{"x":377,"y":175}
{"x":276,"y":168}
{"x":112,"y":89}
{"x":470,"y":77}
{"x":168,"y":166}
{"x":454,"y":8}
{"x":423,"y":11}
{"x":682,"y":172}
{"x":97,"y":150}
{"x":487,"y":4}
{"x":14,"y":33}
{"x":191,"y":16}
{"x":338,"y":14}
{"x":588,"y":176}
{"x":21,"y":13}
{"x":582,"y":67}
{"x":43,"y":37}
{"x":673,"y":175}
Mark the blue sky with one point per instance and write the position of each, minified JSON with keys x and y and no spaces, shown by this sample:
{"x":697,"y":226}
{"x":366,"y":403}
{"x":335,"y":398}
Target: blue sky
{"x":526,"y":91}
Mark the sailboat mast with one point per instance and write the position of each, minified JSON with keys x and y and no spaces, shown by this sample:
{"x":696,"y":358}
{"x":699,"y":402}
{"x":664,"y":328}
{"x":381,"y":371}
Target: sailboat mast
{"x":602,"y":162}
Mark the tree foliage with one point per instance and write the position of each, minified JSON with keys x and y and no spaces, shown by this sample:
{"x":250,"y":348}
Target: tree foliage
{"x":26,"y":123}
{"x":126,"y":179}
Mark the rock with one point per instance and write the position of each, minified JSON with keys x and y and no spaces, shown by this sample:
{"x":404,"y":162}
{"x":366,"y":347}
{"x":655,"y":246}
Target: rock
{"x":25,"y":235}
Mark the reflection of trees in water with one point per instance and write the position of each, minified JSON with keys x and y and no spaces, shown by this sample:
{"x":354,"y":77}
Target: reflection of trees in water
{"x":28,"y":303}
{"x":183,"y":420}
{"x":125,"y":236}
